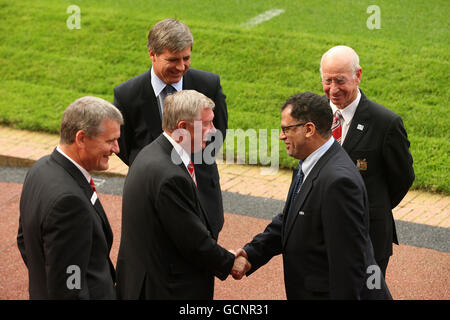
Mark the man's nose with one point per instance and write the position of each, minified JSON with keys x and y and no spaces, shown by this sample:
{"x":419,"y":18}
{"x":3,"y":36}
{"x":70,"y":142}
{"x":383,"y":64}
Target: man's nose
{"x":212,"y":129}
{"x":334,"y":87}
{"x":180,"y":65}
{"x":115,"y":147}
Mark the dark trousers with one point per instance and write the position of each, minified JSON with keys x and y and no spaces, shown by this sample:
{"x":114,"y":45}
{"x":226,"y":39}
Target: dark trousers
{"x":383,"y":265}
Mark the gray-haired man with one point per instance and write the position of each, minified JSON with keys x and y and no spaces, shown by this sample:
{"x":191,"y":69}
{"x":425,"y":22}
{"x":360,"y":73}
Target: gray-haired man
{"x":141,"y":101}
{"x":64,"y":235}
{"x":167,"y":250}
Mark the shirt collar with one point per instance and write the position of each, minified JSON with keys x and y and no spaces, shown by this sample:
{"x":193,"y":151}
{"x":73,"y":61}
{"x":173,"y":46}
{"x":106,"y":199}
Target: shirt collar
{"x":83,"y":170}
{"x":309,"y":163}
{"x":158,"y":85}
{"x":349,"y":111}
{"x":185,"y":157}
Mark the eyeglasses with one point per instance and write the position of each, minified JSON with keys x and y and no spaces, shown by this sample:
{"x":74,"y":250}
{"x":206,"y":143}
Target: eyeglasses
{"x":284,"y":129}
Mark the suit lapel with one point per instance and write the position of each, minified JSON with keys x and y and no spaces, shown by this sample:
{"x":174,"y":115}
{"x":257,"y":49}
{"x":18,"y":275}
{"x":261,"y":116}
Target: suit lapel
{"x":151,"y":112}
{"x":187,"y":83}
{"x":202,"y":209}
{"x":167,"y":147}
{"x":294,"y":207}
{"x":308,"y":184}
{"x":359,"y":125}
{"x":106,"y":226}
{"x":288,"y":202}
{"x":87,"y":189}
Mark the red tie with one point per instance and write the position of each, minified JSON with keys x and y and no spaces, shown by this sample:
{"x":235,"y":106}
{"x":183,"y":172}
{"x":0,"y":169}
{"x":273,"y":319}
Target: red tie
{"x":336,"y":126}
{"x":191,"y":171}
{"x":93,"y":185}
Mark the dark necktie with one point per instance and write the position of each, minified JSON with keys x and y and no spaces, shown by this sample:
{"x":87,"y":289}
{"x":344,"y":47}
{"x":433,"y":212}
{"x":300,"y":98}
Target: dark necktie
{"x":168,"y":90}
{"x":299,"y":180}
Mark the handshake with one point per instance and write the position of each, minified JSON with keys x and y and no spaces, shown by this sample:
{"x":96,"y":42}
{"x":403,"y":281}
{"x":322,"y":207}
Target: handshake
{"x":241,"y":264}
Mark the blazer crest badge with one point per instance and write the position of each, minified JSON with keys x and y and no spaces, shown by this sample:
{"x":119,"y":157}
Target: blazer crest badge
{"x":361,"y":165}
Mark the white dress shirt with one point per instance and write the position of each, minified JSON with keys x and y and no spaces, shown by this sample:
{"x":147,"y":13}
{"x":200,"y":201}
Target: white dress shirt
{"x":158,"y":86}
{"x":185,"y":157}
{"x":83,"y":170}
{"x":85,"y":173}
{"x":309,"y":163}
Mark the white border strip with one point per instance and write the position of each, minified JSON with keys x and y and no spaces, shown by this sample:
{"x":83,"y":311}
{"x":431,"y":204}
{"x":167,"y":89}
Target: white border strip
{"x":269,"y":14}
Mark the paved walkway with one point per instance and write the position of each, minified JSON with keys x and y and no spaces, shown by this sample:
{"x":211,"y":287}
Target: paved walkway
{"x":413,"y":273}
{"x":22,"y":148}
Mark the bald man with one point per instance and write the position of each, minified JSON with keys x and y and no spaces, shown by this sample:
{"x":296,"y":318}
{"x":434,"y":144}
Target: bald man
{"x":375,"y":139}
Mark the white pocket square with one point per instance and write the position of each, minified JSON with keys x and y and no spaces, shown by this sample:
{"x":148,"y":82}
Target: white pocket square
{"x":301,"y":213}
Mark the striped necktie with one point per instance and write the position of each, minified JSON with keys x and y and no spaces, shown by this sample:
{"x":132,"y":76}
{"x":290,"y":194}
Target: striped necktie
{"x":336,"y":127}
{"x":192,"y":171}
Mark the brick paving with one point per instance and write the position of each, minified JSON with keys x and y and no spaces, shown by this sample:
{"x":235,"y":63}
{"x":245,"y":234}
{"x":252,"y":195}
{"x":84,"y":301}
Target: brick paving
{"x":22,"y":148}
{"x":413,"y":273}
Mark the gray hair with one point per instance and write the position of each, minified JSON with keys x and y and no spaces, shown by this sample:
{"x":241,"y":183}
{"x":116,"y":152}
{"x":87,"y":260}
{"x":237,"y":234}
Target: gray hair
{"x":353,"y":57}
{"x":184,"y":105}
{"x":171,"y":34}
{"x":87,"y":114}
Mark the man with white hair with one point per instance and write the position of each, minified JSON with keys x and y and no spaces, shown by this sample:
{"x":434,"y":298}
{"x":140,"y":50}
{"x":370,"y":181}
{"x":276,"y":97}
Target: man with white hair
{"x":375,"y":139}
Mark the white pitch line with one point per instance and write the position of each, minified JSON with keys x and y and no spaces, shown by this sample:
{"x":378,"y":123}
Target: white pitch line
{"x":269,"y":14}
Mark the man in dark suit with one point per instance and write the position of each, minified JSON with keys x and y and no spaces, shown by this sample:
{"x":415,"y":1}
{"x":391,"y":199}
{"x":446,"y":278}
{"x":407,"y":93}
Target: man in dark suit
{"x":64,"y":235}
{"x":375,"y":139}
{"x":167,"y":250}
{"x":141,"y":101}
{"x":323,"y":229}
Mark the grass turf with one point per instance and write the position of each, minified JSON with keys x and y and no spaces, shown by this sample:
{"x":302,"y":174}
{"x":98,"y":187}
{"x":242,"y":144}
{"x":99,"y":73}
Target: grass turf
{"x":45,"y":66}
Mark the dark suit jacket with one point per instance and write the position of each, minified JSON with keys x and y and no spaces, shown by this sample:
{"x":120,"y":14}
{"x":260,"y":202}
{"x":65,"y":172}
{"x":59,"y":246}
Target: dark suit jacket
{"x":381,"y":147}
{"x":323,"y":235}
{"x":136,"y":100}
{"x":60,"y":227}
{"x":166,"y":249}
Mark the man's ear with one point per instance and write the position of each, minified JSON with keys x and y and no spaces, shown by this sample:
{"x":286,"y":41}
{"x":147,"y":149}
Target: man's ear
{"x":358,"y":76}
{"x":182,"y":124}
{"x":152,"y":55}
{"x":310,"y":129}
{"x":180,"y":133}
{"x":80,"y":139}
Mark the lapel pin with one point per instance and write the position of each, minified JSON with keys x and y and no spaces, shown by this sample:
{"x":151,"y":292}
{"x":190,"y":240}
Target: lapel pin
{"x":301,"y":213}
{"x":360,"y":127}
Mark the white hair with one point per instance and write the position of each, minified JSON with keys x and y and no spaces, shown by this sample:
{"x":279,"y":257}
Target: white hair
{"x":349,"y":52}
